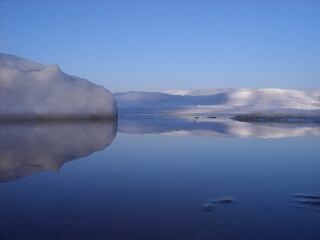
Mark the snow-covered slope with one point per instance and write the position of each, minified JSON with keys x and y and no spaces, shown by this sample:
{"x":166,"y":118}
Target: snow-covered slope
{"x":30,"y":90}
{"x":222,"y":99}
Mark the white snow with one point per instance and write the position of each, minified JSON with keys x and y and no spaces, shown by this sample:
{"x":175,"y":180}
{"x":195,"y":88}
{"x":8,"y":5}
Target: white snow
{"x":30,"y":90}
{"x":223,"y":100}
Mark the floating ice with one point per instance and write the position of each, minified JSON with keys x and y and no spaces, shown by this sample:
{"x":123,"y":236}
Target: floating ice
{"x":30,"y":90}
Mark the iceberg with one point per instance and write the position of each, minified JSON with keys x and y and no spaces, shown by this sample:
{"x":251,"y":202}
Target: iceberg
{"x":29,"y":90}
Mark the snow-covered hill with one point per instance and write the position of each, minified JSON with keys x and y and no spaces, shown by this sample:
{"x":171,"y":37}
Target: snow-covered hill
{"x":221,"y":100}
{"x":262,"y":98}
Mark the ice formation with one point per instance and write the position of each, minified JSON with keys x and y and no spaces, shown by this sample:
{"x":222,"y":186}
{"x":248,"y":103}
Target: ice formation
{"x":30,"y":90}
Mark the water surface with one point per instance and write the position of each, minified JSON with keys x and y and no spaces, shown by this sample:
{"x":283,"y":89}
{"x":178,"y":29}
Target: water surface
{"x":153,"y":179}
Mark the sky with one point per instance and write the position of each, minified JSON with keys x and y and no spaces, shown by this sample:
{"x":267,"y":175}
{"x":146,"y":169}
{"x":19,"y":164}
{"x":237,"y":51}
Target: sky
{"x":164,"y":45}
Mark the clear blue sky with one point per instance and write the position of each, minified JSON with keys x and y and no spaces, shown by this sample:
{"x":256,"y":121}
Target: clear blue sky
{"x":162,"y":45}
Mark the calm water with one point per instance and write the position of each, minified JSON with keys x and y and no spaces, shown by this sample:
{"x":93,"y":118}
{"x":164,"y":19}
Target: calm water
{"x":151,"y":178}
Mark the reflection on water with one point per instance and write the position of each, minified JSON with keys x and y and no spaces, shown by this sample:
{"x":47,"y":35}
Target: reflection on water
{"x":160,"y":186}
{"x":215,"y":127}
{"x":28,"y":148}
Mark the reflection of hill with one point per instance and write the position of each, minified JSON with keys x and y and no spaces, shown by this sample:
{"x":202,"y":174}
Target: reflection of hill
{"x":28,"y":148}
{"x":220,"y":127}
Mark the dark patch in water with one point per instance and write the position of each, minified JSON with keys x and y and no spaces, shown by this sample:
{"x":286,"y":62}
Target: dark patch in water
{"x":313,"y":196}
{"x":208,"y":207}
{"x":310,"y":202}
{"x":223,"y":200}
{"x":307,"y":200}
{"x":210,"y":117}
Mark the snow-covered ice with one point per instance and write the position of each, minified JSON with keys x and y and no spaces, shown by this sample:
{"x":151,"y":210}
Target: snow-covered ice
{"x":30,"y":90}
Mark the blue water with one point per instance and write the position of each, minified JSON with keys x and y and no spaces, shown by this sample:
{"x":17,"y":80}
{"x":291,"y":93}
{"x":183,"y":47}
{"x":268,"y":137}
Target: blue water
{"x":154,"y":186}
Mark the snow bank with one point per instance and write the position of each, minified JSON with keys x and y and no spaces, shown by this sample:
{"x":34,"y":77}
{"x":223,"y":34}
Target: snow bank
{"x":29,"y":148}
{"x":30,"y":90}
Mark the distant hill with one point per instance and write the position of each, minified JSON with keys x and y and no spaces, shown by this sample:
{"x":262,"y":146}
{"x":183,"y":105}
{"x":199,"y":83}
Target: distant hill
{"x":243,"y":99}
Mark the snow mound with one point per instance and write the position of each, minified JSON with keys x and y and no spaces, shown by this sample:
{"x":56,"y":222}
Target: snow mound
{"x":30,"y":90}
